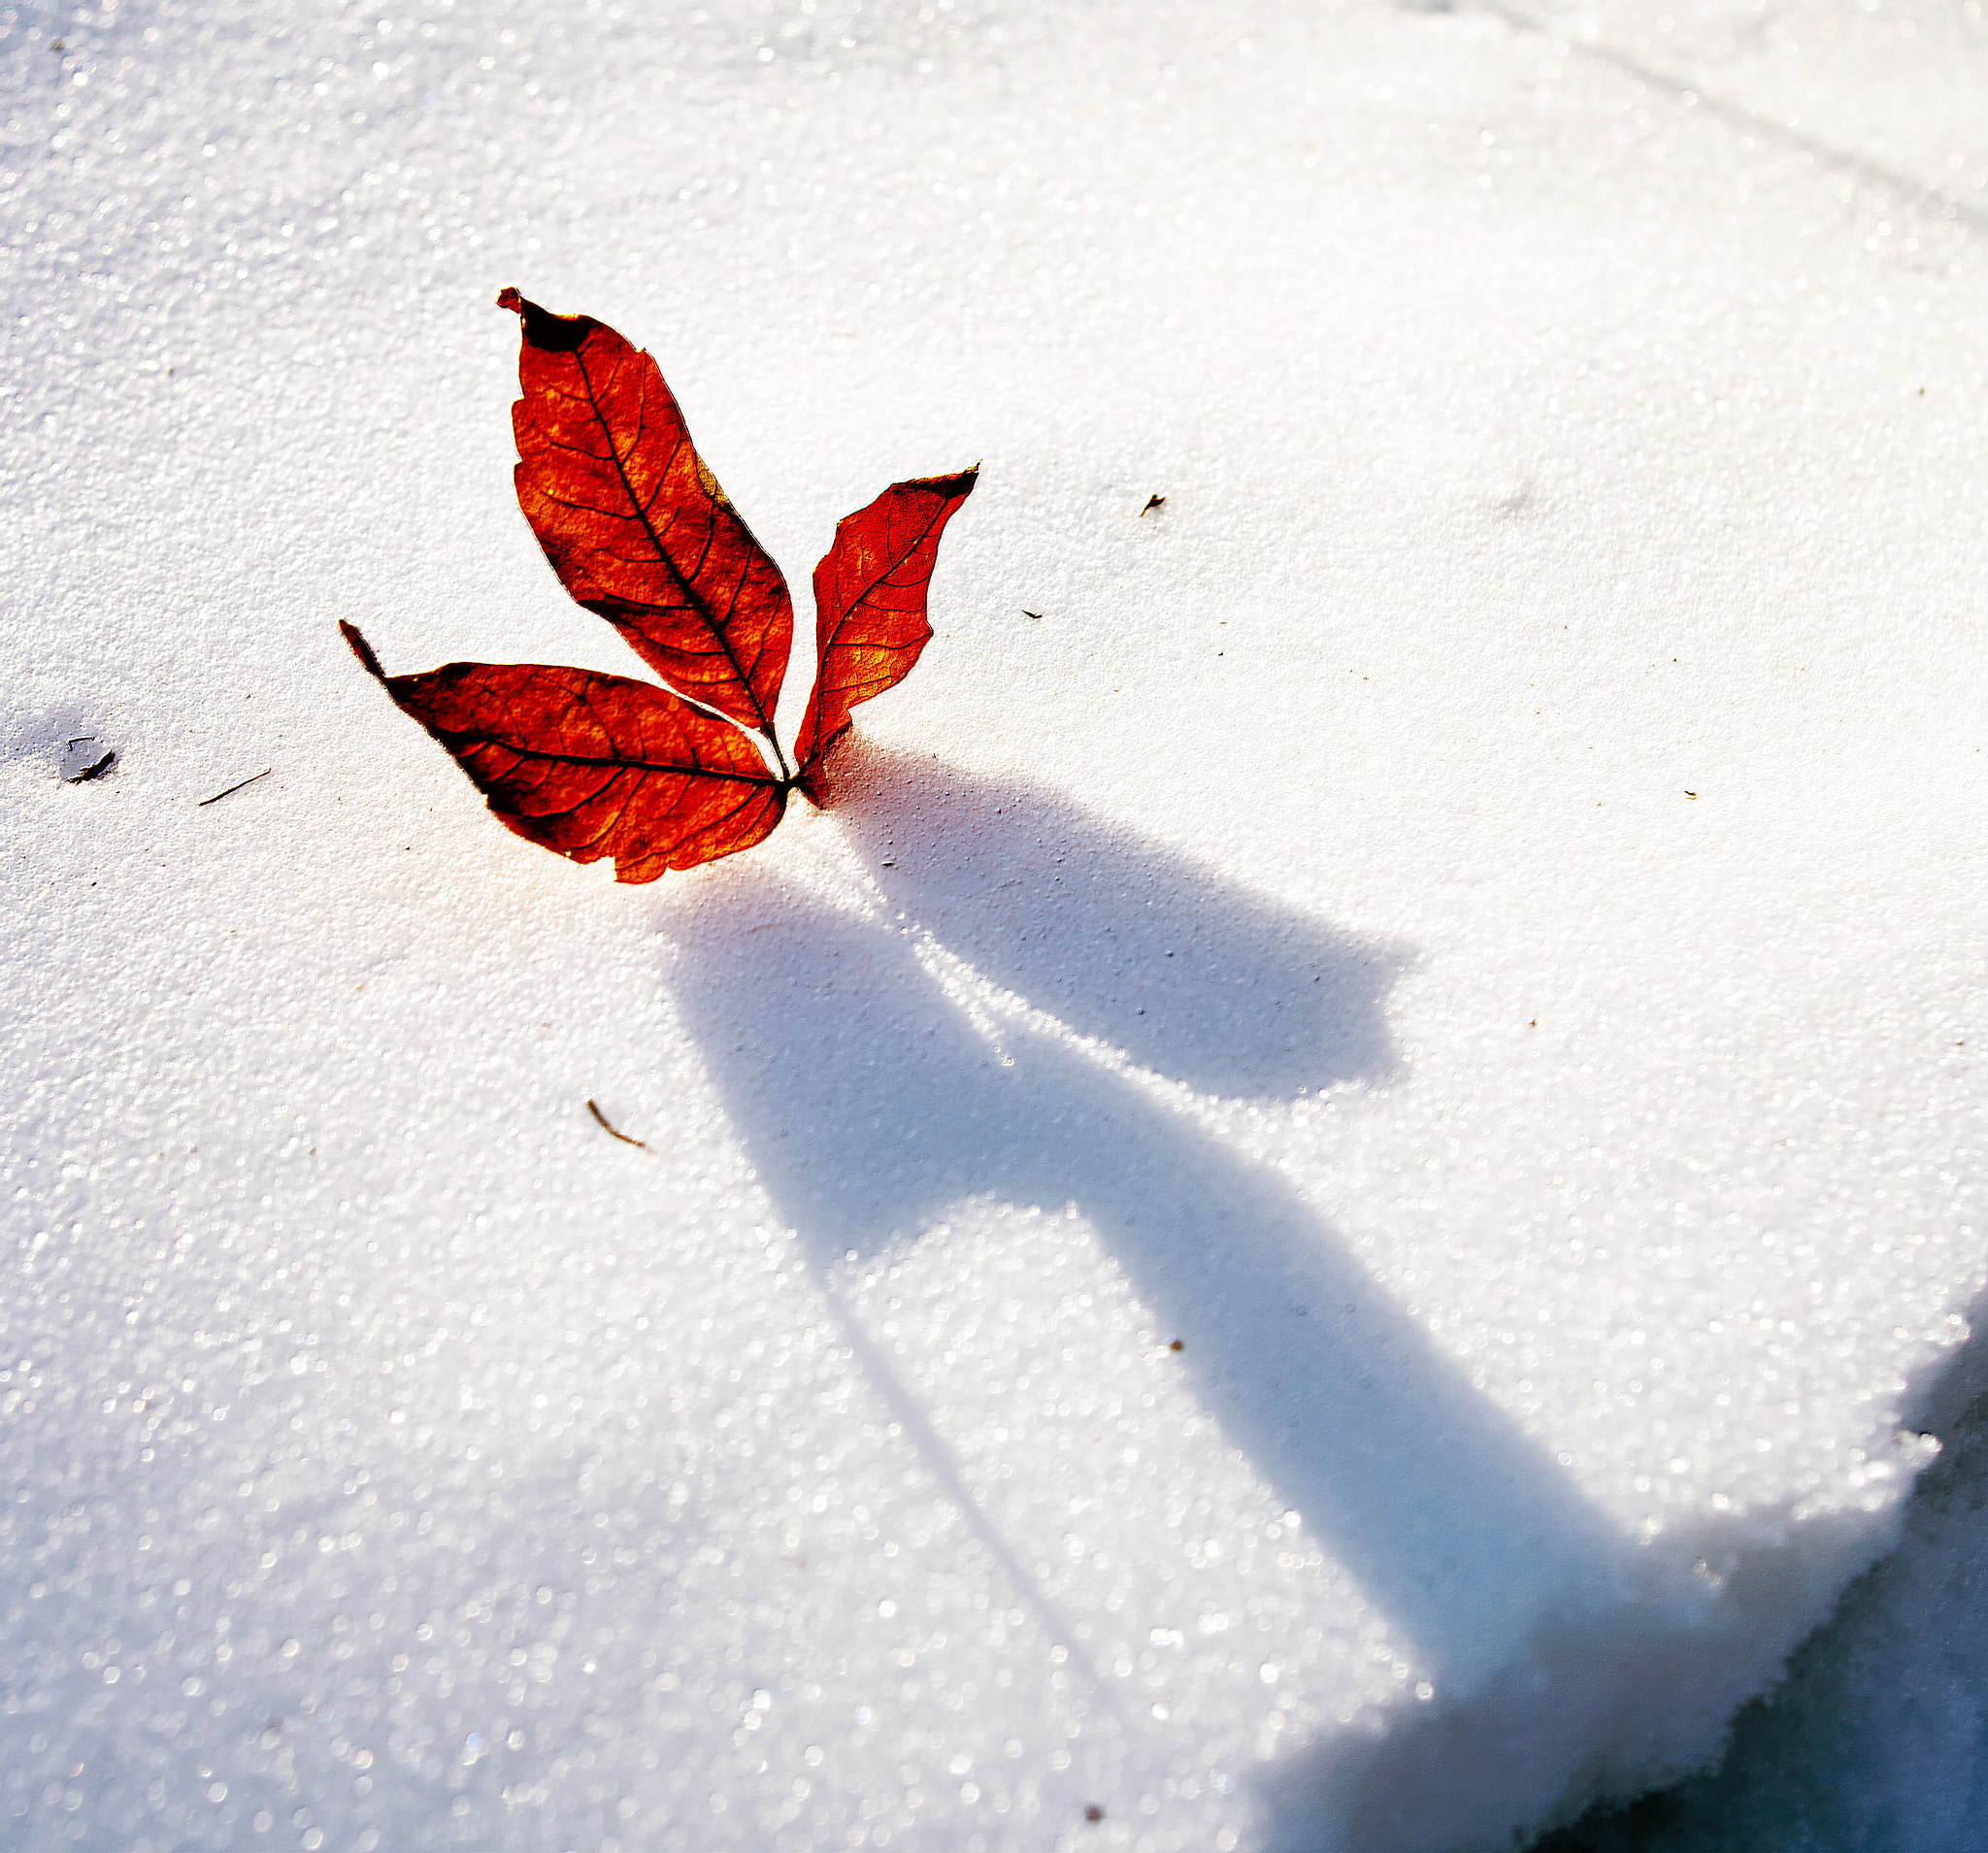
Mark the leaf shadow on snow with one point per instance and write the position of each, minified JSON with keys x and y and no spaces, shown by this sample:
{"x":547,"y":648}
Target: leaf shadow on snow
{"x":870,"y":1103}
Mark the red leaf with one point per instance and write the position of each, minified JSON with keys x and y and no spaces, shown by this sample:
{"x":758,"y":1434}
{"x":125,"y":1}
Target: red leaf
{"x":638,"y":530}
{"x":594,"y":765}
{"x":870,"y":606}
{"x":634,"y":523}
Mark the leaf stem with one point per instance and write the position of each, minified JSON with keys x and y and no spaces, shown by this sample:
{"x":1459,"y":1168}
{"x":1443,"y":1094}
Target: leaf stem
{"x":786,"y":771}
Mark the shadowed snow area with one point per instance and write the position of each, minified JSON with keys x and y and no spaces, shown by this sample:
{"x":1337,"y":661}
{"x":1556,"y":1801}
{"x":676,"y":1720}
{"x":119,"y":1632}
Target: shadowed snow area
{"x":1875,"y":1737}
{"x":1334,"y":1200}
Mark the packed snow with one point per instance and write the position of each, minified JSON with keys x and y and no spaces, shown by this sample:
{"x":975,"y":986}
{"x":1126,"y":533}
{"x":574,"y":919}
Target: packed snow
{"x":1319,"y":1214}
{"x":1874,"y":1738}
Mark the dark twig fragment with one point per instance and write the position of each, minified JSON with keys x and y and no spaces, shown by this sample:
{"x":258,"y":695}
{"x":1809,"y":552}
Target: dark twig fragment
{"x":1152,"y":502}
{"x":232,"y":789}
{"x":602,"y":1119}
{"x":97,"y":771}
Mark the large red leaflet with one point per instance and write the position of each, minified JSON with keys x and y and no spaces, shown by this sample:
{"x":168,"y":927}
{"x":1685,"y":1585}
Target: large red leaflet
{"x":634,"y":523}
{"x":870,"y":606}
{"x":593,"y":764}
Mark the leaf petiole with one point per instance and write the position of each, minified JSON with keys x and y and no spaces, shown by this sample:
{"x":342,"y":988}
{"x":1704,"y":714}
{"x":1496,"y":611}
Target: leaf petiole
{"x":788,"y":780}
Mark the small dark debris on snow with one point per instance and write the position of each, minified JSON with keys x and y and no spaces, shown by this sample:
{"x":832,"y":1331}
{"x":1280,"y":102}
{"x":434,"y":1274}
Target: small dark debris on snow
{"x":1037,"y":616}
{"x":602,"y":1119}
{"x":1093,"y":1812}
{"x":1152,"y":502}
{"x":232,"y":789}
{"x":1177,"y":1344}
{"x":96,"y":770}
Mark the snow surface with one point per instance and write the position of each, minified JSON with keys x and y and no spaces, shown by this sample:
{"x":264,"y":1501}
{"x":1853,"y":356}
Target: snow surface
{"x":1875,"y":1739}
{"x":1470,"y":918}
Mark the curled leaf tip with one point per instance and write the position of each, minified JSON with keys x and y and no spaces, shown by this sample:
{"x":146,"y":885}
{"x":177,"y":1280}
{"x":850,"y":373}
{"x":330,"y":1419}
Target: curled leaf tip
{"x":362,"y":649}
{"x":552,"y":334}
{"x":954,"y":481}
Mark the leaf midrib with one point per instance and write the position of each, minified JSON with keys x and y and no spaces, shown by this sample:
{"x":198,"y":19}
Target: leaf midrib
{"x":662,"y":552}
{"x":623,"y":765}
{"x":848,"y":611}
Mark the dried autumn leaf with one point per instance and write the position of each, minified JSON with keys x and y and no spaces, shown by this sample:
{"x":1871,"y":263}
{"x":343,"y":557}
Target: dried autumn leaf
{"x":636,"y":525}
{"x":870,"y":606}
{"x":638,"y":530}
{"x":592,"y":765}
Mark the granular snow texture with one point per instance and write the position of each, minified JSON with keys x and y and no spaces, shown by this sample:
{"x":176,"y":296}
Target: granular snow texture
{"x":1874,"y":1741}
{"x":1309,"y":1219}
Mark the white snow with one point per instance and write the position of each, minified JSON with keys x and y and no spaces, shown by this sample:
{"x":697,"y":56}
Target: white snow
{"x":1470,"y":918}
{"x":1874,"y":1740}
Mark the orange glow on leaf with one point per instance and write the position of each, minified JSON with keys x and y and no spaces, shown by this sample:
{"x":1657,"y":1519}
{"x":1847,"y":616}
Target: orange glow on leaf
{"x":870,"y":623}
{"x":594,"y":766}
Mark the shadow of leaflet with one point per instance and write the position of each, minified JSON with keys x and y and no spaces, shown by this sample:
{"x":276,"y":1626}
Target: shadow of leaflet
{"x":870,"y":1103}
